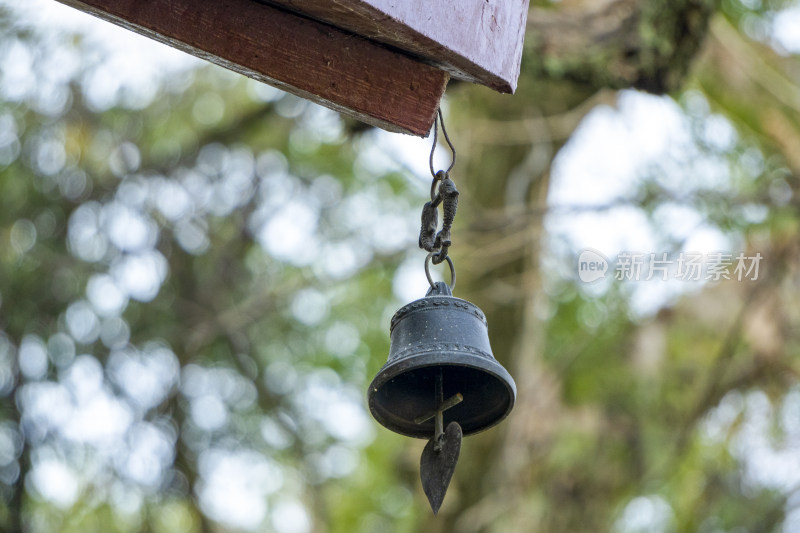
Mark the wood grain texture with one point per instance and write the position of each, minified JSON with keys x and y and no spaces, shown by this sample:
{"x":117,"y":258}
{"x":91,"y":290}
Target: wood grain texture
{"x":475,"y":40}
{"x":313,"y":60}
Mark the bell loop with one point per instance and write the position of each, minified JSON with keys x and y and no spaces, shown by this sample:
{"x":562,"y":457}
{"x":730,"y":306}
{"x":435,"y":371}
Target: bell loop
{"x":433,"y":284}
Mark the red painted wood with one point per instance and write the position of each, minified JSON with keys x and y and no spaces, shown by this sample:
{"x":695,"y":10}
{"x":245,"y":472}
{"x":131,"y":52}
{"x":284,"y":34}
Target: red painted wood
{"x":308,"y":58}
{"x":476,"y":40}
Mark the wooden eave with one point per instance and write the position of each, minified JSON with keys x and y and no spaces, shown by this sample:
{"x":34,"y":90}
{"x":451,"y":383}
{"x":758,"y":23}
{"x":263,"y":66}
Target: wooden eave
{"x":384,"y":62}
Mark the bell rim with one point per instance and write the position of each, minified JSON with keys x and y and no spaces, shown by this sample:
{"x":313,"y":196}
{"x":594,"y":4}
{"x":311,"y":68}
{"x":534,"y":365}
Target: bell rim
{"x":445,"y":358}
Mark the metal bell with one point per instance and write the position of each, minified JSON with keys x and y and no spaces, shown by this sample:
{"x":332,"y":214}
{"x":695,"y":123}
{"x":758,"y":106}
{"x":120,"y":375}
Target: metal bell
{"x":441,"y":380}
{"x":440,"y":337}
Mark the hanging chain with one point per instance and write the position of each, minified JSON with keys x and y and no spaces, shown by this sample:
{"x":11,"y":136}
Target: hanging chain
{"x":438,"y":244}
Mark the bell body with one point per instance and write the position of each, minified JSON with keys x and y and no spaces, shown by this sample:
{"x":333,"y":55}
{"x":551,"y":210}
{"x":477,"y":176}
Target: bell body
{"x":440,"y":333}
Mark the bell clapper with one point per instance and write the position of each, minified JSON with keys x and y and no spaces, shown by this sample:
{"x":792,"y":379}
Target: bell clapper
{"x":439,"y":458}
{"x":438,"y":412}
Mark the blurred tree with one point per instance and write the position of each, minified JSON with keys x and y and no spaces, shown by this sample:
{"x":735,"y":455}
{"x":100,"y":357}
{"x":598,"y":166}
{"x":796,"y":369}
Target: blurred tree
{"x":197,"y":274}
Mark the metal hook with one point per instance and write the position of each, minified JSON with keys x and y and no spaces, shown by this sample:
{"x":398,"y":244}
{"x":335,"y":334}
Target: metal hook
{"x":440,"y":119}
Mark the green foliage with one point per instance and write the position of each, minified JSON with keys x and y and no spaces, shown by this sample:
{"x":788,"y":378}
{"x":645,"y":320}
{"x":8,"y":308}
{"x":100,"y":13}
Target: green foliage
{"x":196,"y":282}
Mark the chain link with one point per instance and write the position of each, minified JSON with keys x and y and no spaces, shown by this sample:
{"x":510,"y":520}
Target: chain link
{"x":445,"y":194}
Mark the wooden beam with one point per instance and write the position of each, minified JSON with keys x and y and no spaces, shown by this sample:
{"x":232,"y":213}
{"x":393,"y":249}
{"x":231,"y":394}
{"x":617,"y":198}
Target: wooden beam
{"x":475,"y":40}
{"x":311,"y":59}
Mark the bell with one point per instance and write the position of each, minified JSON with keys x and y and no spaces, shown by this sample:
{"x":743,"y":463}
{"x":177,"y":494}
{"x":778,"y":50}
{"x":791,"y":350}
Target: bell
{"x":440,"y":343}
{"x":441,"y":380}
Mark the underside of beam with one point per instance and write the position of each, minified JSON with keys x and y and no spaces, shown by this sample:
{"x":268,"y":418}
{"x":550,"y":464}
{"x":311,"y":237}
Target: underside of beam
{"x":311,"y":59}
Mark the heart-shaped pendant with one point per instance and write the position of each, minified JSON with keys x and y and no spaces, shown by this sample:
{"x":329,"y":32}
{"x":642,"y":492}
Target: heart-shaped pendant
{"x":436,"y":467}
